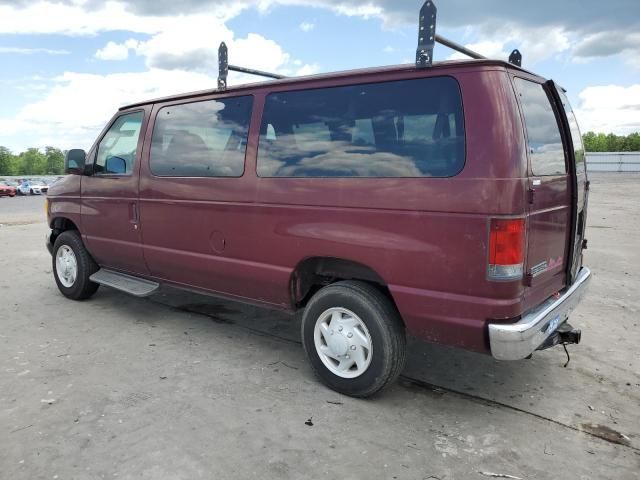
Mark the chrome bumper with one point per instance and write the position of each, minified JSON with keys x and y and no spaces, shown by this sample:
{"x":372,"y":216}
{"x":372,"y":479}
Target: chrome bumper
{"x":515,"y":341}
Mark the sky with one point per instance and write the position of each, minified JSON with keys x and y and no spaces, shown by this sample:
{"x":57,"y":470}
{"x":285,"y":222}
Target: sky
{"x":67,"y":65}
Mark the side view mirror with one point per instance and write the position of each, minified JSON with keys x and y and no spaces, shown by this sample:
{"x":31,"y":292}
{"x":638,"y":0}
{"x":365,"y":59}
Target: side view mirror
{"x":115,"y":166}
{"x":74,"y":161}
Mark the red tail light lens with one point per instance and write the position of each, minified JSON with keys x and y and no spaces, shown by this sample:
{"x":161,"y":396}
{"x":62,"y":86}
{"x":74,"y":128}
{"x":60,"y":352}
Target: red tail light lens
{"x":506,"y":248}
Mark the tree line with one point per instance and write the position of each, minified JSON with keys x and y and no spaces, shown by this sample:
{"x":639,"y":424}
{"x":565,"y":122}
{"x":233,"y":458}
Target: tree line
{"x":33,"y":161}
{"x":50,"y":160}
{"x":599,"y":142}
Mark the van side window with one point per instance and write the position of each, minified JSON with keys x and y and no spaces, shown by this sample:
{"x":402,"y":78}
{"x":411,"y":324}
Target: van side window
{"x":117,"y":149}
{"x":407,"y":128}
{"x":545,"y":143}
{"x":201,"y":139}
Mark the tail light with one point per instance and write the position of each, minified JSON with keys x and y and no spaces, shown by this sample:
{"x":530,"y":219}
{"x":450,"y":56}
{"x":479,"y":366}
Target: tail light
{"x":506,"y":249}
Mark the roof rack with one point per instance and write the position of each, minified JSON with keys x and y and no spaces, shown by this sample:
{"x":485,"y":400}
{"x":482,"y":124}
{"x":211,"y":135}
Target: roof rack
{"x":427,"y":38}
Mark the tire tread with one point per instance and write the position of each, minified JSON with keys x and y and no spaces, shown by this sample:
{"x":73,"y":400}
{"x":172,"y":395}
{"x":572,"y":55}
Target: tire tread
{"x":394,"y":333}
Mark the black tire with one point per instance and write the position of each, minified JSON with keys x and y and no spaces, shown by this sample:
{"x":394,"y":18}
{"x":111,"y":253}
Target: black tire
{"x":385,"y":328}
{"x":82,"y":288}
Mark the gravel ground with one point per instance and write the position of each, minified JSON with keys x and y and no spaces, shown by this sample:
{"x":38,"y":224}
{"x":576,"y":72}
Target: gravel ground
{"x":181,"y":386}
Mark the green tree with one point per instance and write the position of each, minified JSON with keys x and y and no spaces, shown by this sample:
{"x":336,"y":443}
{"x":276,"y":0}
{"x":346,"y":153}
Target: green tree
{"x":8,"y":163}
{"x":55,"y":160}
{"x":34,"y":162}
{"x":589,"y":140}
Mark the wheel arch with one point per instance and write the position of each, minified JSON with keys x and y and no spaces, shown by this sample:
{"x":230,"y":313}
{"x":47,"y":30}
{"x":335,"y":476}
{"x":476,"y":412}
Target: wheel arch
{"x":313,"y":273}
{"x":59,"y":225}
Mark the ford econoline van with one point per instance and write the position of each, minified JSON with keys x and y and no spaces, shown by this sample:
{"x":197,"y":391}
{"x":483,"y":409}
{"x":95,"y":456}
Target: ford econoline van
{"x":448,"y":203}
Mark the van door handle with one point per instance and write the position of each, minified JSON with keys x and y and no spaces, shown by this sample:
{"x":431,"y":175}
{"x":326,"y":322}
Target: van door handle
{"x":133,"y":213}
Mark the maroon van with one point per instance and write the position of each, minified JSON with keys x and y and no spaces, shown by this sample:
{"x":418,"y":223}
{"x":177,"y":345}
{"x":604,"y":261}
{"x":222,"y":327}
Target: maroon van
{"x":446,"y":202}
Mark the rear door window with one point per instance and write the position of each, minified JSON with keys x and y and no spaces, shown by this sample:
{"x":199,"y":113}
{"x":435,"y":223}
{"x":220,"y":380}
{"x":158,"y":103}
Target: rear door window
{"x":407,"y":128}
{"x":576,"y":137}
{"x":201,"y":139}
{"x":543,"y":134}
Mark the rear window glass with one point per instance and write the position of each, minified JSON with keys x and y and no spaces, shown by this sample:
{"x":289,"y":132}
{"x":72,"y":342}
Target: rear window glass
{"x":201,"y":139}
{"x":408,"y":128}
{"x":576,"y":137}
{"x":545,"y":143}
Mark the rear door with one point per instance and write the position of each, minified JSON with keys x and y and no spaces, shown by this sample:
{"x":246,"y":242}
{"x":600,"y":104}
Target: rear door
{"x":550,"y":194}
{"x":580,"y":183}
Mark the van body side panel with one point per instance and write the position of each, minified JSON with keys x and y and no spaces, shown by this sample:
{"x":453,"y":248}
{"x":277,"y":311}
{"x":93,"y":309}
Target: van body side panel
{"x":67,"y":204}
{"x":426,"y":237}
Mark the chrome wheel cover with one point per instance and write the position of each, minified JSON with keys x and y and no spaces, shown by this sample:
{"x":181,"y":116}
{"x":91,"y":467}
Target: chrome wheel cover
{"x":66,"y":266}
{"x":343,"y":342}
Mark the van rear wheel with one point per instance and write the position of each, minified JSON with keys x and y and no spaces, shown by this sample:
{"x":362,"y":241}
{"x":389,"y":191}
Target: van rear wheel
{"x":354,"y":338}
{"x":72,"y":266}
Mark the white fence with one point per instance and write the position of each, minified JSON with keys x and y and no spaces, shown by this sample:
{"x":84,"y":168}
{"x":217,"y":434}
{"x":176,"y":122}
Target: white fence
{"x":613,"y":162}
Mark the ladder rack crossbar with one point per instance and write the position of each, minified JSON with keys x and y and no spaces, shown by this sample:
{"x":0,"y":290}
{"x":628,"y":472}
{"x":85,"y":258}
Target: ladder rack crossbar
{"x":258,"y":73}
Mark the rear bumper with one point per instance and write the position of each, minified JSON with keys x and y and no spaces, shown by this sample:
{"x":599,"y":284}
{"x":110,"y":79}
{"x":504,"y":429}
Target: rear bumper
{"x":516,"y":341}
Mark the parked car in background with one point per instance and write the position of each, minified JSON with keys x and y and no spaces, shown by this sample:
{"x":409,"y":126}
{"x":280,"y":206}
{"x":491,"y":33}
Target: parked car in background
{"x":33,"y":187}
{"x":7,"y":190}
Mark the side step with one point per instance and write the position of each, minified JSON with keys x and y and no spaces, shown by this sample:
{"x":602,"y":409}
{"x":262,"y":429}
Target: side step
{"x":138,"y":287}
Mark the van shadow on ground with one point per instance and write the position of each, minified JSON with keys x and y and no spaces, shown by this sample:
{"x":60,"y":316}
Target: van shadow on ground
{"x":541,"y":386}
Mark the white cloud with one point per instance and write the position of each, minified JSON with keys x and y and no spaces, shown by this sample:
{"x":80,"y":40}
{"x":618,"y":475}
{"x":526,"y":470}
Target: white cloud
{"x":535,"y":43}
{"x":488,"y":48}
{"x":31,"y":51}
{"x":181,"y":57}
{"x":610,"y":108}
{"x":113,"y":51}
{"x":307,"y":26}
{"x":307,"y":70}
{"x":79,"y":105}
{"x":48,"y":17}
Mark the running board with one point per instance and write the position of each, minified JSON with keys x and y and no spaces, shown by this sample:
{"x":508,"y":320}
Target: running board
{"x":136,"y":286}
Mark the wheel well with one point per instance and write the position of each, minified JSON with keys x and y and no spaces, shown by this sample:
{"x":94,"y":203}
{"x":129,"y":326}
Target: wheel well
{"x":311,"y":274}
{"x":59,"y":225}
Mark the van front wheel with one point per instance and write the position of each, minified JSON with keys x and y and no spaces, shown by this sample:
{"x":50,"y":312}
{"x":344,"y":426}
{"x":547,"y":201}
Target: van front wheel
{"x":354,"y":338}
{"x":72,"y":266}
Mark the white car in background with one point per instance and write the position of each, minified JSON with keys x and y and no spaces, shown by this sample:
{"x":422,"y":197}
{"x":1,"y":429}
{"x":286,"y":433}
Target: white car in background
{"x":33,"y":188}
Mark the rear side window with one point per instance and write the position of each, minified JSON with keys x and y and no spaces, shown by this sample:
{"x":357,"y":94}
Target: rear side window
{"x":201,"y":139}
{"x":408,"y":128}
{"x":543,"y":134}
